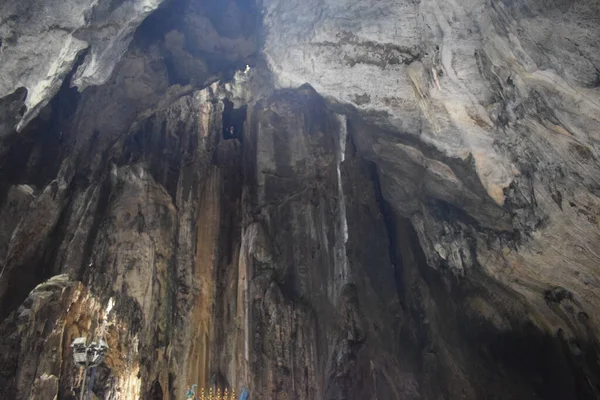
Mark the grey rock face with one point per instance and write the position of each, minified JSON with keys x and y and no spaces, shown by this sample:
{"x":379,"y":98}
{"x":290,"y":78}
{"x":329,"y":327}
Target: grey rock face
{"x":491,"y":109}
{"x":421,"y":221}
{"x":41,"y":41}
{"x":453,"y":76}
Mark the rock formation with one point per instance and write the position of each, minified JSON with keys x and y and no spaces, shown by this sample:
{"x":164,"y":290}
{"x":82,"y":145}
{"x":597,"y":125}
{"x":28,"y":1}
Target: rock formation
{"x":312,"y":200}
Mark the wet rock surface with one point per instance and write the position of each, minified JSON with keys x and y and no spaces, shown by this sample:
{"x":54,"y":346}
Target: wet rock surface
{"x":395,"y":200}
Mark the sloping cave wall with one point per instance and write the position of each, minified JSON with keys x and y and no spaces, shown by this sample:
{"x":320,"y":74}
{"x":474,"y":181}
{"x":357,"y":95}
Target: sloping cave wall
{"x":266,"y":266}
{"x":312,"y":255}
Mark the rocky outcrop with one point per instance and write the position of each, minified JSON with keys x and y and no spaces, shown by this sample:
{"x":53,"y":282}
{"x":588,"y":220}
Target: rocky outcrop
{"x":36,"y":360}
{"x":419,"y":221}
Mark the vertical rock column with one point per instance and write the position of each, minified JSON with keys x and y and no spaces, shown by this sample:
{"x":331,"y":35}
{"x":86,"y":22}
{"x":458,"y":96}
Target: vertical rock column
{"x":313,"y":326}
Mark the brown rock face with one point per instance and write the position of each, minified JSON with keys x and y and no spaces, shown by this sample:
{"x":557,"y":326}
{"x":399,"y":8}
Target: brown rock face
{"x":296,"y":246}
{"x":37,"y":361}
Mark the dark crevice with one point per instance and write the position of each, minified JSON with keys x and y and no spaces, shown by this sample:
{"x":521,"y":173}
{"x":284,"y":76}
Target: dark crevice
{"x":99,"y":214}
{"x":172,"y":380}
{"x":233,"y":121}
{"x":10,"y":107}
{"x":389,"y":218}
{"x":156,"y":393}
{"x":228,"y":158}
{"x":34,"y":156}
{"x":36,"y":269}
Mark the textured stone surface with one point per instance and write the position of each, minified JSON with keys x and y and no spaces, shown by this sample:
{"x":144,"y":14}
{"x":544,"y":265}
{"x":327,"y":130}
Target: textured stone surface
{"x":420,"y":222}
{"x":491,"y":109}
{"x":36,"y":360}
{"x":41,"y":41}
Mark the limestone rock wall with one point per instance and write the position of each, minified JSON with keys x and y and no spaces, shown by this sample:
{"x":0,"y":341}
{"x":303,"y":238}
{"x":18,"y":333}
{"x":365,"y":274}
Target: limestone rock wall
{"x":419,"y":221}
{"x":41,"y":41}
{"x":482,"y":120}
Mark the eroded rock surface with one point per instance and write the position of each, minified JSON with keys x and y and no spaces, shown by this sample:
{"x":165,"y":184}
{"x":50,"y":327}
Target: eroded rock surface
{"x":40,"y":43}
{"x":395,"y":200}
{"x":480,"y":118}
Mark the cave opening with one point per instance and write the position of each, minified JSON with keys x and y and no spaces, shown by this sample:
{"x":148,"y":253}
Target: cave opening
{"x":233,"y":120}
{"x":156,"y":393}
{"x":174,"y":31}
